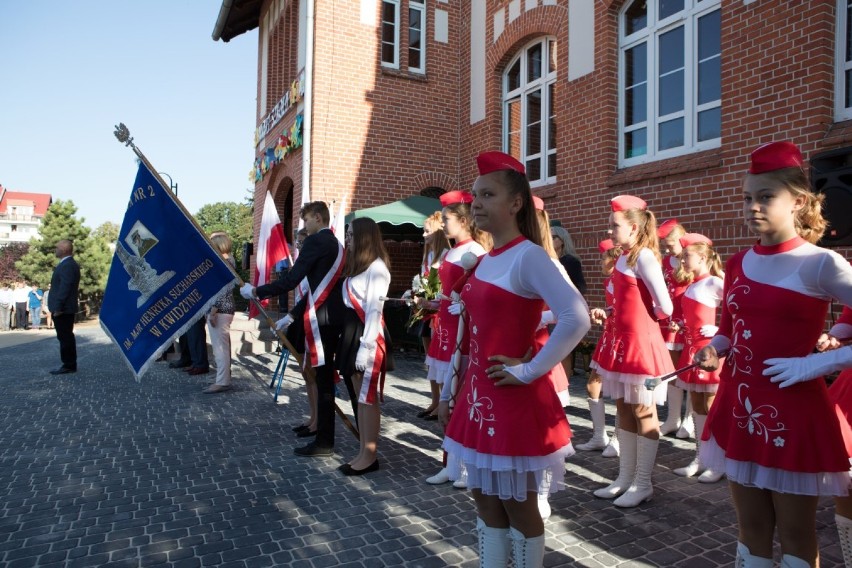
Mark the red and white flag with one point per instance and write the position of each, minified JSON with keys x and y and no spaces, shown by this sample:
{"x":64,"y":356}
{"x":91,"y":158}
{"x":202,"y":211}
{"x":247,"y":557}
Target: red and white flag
{"x":271,"y":248}
{"x":338,"y":222}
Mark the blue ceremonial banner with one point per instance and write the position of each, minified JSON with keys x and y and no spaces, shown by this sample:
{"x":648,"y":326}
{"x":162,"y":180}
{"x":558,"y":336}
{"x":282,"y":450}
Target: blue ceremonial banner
{"x":164,"y":275}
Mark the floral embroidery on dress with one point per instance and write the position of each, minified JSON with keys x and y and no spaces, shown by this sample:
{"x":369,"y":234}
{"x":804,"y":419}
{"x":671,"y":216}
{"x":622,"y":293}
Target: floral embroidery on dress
{"x":479,"y":406}
{"x":491,"y":431}
{"x":740,"y":355}
{"x":758,"y":420}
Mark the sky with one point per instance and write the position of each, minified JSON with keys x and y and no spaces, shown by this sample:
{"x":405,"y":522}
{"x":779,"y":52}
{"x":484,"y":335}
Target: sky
{"x":71,"y":70}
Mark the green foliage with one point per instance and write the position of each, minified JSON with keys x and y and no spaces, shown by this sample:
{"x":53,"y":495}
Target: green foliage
{"x":107,"y":231}
{"x":233,"y":218}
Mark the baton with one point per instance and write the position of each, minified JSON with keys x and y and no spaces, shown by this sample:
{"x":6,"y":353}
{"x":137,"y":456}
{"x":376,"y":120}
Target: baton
{"x":404,"y":300}
{"x":654,"y":382}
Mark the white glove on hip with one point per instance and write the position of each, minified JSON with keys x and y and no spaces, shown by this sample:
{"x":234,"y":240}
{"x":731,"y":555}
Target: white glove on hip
{"x":247,"y":291}
{"x":284,"y":323}
{"x":709,"y":330}
{"x":456,"y":308}
{"x":792,"y":370}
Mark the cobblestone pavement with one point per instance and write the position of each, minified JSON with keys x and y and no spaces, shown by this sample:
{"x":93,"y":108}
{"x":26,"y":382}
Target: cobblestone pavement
{"x":98,"y":470}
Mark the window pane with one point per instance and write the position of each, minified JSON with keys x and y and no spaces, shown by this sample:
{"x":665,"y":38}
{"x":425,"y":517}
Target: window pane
{"x":636,"y":65}
{"x":670,"y":134}
{"x":671,"y":94}
{"x":849,"y":33}
{"x":551,"y":125}
{"x":388,"y":12}
{"x":551,"y":46}
{"x":671,"y":50}
{"x":847,"y":96}
{"x":533,"y":123}
{"x":710,"y":80}
{"x":551,"y":165}
{"x":710,"y":124}
{"x":635,"y":143}
{"x":710,"y":35}
{"x":388,"y":53}
{"x":637,"y":105}
{"x":534,"y":62}
{"x":513,"y":77}
{"x":414,"y":19}
{"x":636,"y":17}
{"x":669,"y":7}
{"x":388,"y":33}
{"x":534,"y":169}
{"x":414,"y":59}
{"x":513,"y":127}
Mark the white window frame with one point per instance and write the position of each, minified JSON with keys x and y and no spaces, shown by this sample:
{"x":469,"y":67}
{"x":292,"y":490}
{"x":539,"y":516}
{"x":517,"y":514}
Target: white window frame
{"x":688,"y":18}
{"x":841,"y":66}
{"x":418,"y":6}
{"x":547,"y":78}
{"x":397,"y":8}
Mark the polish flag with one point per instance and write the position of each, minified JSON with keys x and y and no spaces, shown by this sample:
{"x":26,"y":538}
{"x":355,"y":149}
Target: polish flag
{"x":271,"y":248}
{"x":338,"y":222}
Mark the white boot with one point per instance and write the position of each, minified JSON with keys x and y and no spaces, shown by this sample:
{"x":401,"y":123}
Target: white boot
{"x":611,"y":451}
{"x":674,"y":400}
{"x":687,"y":427}
{"x":746,"y":560}
{"x":790,"y":561}
{"x":599,"y":439}
{"x":709,"y":476}
{"x":438,"y":478}
{"x":543,"y":506}
{"x":493,"y":545}
{"x":528,"y":552}
{"x":461,"y":482}
{"x":694,"y":466}
{"x":626,"y":467}
{"x":641,"y":489}
{"x":844,"y":531}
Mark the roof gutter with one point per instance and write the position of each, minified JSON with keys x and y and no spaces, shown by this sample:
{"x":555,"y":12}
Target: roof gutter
{"x":307,"y":121}
{"x":224,"y":12}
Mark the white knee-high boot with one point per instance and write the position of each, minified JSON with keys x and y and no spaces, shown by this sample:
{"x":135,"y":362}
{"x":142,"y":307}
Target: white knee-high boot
{"x":687,"y":427}
{"x":709,"y":475}
{"x":599,"y":439}
{"x":641,"y":489}
{"x":746,"y":560}
{"x":544,"y":505}
{"x":674,"y":401}
{"x":694,"y":466}
{"x":790,"y":561}
{"x":626,"y":466}
{"x":528,"y":552}
{"x":611,"y":451}
{"x":494,"y":545}
{"x":844,"y":531}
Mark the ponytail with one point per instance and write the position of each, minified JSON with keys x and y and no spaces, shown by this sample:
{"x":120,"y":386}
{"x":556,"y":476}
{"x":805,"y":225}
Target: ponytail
{"x":646,"y":236}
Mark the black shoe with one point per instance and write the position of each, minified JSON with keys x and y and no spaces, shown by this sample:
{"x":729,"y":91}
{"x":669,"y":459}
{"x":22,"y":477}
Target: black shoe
{"x":312,"y":450}
{"x":306,"y":433}
{"x":178,"y":365}
{"x":430,"y":417}
{"x":350,"y":471}
{"x":63,"y":370}
{"x":299,"y":428}
{"x":424,"y":413}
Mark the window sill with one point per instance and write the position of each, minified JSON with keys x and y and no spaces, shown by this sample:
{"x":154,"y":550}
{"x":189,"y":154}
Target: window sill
{"x":667,"y":167}
{"x":838,"y":134}
{"x":391,"y":72}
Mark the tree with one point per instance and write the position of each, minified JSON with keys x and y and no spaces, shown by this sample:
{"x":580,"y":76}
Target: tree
{"x":9,"y":255}
{"x":92,"y":254}
{"x":233,"y":218}
{"x":107,"y":231}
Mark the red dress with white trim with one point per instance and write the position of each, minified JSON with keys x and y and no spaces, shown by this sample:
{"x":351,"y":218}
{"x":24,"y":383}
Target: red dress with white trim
{"x":786,"y":440}
{"x":514,"y":439}
{"x":840,"y":392}
{"x":698,"y":308}
{"x":637,"y":351}
{"x":606,"y":335}
{"x":446,"y":324}
{"x":674,"y":339}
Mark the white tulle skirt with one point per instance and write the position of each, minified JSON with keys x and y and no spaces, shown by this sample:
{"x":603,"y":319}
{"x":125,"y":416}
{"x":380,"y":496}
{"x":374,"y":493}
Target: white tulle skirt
{"x":629,"y":387}
{"x":697,"y":387}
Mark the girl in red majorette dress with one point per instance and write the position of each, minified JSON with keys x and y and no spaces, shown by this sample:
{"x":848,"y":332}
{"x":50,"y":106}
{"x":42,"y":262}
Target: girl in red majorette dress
{"x":701,"y":270}
{"x":637,"y":352}
{"x":508,"y":428}
{"x":781,"y":448}
{"x":458,"y":226}
{"x":362,"y":350}
{"x":669,"y":233}
{"x":600,"y":441}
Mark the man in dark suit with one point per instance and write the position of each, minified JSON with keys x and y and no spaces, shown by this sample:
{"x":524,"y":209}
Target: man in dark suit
{"x":321,"y":262}
{"x":62,"y":303}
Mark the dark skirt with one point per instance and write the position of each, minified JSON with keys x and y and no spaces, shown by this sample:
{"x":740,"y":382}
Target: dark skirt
{"x":350,"y":342}
{"x":296,"y":335}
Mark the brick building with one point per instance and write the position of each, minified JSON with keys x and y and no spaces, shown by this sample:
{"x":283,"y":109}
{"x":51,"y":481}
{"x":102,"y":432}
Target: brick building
{"x":660,"y":98}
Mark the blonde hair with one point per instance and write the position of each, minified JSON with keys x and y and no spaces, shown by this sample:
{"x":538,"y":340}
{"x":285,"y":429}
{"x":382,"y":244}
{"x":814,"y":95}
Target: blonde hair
{"x":436,"y":243}
{"x":810,"y":224}
{"x":567,"y":241}
{"x":546,"y":237}
{"x":714,"y":263}
{"x":677,"y":230}
{"x":608,"y":260}
{"x":646,"y":234}
{"x":222,"y":241}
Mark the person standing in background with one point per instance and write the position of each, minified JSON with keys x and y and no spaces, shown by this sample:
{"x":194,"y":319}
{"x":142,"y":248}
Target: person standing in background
{"x":21,"y":297}
{"x":64,"y":287}
{"x":35,"y":298}
{"x":5,"y":307}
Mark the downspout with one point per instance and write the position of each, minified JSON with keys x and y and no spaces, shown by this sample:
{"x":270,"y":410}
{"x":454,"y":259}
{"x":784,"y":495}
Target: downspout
{"x":307,"y":120}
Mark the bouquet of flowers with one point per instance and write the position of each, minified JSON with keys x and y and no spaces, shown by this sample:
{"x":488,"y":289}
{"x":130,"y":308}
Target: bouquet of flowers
{"x":427,"y":287}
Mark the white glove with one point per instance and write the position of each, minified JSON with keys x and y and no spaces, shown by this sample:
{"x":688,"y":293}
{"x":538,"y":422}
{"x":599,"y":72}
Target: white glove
{"x":407,"y":294}
{"x":362,"y":358}
{"x":456,"y":308}
{"x":247,"y":291}
{"x":792,"y":370}
{"x":709,"y":330}
{"x":284,"y":323}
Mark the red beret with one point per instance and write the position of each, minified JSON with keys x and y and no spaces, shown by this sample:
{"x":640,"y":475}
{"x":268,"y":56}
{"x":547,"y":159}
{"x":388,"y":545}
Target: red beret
{"x":488,"y":162}
{"x":625,"y":202}
{"x":775,"y":156}
{"x":605,"y":245}
{"x":452,"y":197}
{"x":538,"y":202}
{"x":667,"y":227}
{"x":694,"y":239}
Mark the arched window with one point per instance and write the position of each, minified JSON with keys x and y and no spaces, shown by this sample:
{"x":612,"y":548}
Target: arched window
{"x":529,"y":126}
{"x":670,"y":79}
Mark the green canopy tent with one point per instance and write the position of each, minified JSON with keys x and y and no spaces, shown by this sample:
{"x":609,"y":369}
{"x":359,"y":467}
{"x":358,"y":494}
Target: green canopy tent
{"x":401,"y":220}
